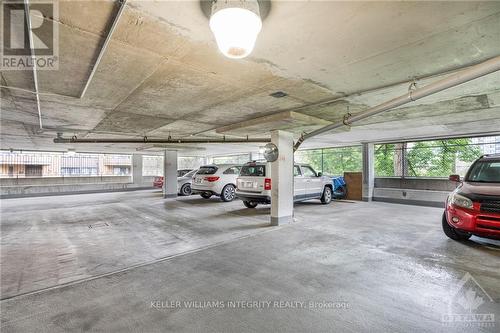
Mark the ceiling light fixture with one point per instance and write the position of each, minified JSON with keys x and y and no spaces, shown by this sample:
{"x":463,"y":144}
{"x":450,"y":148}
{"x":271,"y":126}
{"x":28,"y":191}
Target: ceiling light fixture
{"x":235,"y":24}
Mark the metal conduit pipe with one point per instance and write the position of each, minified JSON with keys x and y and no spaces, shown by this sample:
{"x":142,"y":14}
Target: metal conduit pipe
{"x":60,"y":139}
{"x":33,"y":57}
{"x":123,"y":3}
{"x":468,"y":74}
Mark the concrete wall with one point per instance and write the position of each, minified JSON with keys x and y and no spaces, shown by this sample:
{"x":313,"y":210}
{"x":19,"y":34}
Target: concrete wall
{"x":417,"y":191}
{"x":69,"y":185}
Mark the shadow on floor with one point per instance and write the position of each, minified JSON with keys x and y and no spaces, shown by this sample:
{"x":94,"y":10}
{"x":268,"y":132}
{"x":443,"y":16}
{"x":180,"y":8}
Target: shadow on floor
{"x":251,"y":226}
{"x":192,"y":200}
{"x":250,"y":211}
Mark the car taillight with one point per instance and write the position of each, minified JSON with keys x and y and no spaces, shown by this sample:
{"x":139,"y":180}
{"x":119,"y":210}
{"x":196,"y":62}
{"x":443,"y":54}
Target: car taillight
{"x":212,"y":179}
{"x":267,"y":184}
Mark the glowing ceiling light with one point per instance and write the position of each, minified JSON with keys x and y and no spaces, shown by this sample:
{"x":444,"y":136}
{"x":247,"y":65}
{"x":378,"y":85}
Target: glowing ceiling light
{"x":235,"y":24}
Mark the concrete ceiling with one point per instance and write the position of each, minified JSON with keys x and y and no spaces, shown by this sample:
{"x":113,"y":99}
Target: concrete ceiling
{"x":162,"y":74}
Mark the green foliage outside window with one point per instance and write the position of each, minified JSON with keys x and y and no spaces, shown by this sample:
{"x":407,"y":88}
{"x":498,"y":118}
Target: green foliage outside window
{"x":332,"y":161}
{"x":438,"y":158}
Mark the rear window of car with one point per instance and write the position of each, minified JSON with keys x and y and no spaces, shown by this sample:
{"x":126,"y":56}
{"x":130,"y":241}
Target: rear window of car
{"x":253,"y":170}
{"x":207,"y":170}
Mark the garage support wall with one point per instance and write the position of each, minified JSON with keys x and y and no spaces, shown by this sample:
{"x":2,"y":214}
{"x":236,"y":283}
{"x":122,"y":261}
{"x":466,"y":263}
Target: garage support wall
{"x":282,"y":179}
{"x":137,"y":178}
{"x":170,"y":174}
{"x":368,"y":152}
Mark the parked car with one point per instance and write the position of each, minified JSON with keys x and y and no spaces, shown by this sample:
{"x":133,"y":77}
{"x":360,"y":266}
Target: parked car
{"x":158,"y":182}
{"x":474,"y":207}
{"x":219,"y":180}
{"x":183,"y":181}
{"x":254,"y":184}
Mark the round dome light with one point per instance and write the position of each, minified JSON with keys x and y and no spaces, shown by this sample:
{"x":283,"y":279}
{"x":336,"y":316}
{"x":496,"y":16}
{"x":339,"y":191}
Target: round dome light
{"x":235,"y":24}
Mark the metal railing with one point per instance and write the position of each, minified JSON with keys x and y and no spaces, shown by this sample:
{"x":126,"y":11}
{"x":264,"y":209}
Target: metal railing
{"x":431,"y":159}
{"x":51,"y":164}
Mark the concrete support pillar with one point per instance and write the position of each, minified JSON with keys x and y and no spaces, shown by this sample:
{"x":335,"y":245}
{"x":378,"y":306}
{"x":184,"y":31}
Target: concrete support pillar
{"x":368,"y":151}
{"x":137,"y":178}
{"x":282,"y":179}
{"x":170,"y":174}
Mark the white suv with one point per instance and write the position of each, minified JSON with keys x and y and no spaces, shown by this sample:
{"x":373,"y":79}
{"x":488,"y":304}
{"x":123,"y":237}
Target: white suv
{"x":219,"y":180}
{"x":253,"y":186}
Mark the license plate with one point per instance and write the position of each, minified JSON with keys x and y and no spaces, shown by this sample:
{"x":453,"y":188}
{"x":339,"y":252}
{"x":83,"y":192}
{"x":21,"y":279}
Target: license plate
{"x":248,"y":184}
{"x":197,"y":180}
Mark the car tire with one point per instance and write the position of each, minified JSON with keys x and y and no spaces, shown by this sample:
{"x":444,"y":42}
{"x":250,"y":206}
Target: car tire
{"x":326,"y":198}
{"x":186,"y":190}
{"x":250,"y":204}
{"x":453,"y":233}
{"x":228,"y":193}
{"x":206,"y":195}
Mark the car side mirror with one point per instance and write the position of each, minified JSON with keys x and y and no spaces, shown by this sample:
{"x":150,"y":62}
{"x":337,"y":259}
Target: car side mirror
{"x":320,"y":174}
{"x":454,"y":178}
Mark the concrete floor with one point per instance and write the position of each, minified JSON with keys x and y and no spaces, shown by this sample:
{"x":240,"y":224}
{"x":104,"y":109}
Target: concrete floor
{"x":379,"y":267}
{"x":47,"y":241}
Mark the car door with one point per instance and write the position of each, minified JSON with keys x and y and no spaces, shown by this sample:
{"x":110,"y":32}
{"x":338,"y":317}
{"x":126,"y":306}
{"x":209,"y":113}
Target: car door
{"x":299,"y":184}
{"x":313,"y":182}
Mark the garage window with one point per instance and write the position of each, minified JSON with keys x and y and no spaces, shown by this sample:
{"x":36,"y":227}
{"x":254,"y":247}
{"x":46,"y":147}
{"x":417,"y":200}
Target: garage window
{"x":332,"y":161}
{"x":431,"y":159}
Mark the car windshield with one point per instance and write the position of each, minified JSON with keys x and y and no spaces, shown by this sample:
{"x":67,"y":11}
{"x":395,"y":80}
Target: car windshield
{"x":485,"y":172}
{"x":207,"y":170}
{"x":190,"y":173}
{"x":253,"y":170}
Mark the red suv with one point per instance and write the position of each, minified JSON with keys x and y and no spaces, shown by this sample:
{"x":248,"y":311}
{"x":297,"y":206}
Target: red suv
{"x":474,"y":207}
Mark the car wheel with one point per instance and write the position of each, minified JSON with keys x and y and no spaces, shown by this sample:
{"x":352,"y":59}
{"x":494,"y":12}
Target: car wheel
{"x":186,"y":189}
{"x":452,"y":232}
{"x":206,"y":195}
{"x":326,"y":198}
{"x":250,"y":204}
{"x":228,"y":193}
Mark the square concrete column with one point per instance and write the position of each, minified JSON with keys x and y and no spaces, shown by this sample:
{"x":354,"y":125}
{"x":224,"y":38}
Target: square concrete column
{"x":368,"y":152}
{"x":170,"y":174}
{"x":137,"y":178}
{"x":282,"y":179}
